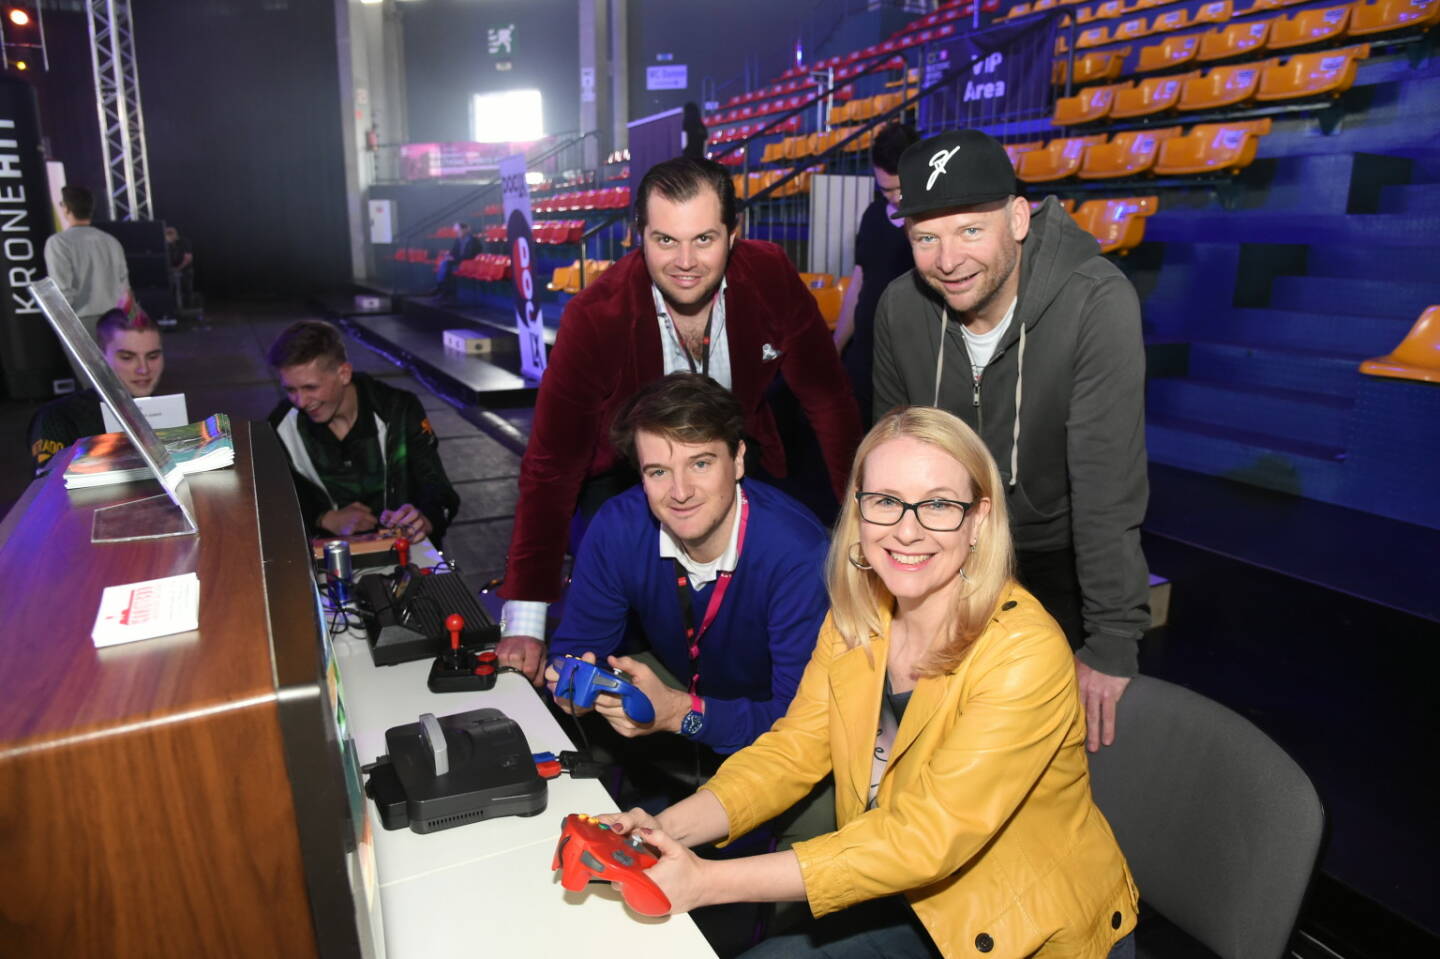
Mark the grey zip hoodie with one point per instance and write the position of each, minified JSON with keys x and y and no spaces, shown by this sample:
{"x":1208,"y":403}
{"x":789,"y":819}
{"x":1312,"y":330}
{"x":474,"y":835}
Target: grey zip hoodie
{"x":1073,"y":461}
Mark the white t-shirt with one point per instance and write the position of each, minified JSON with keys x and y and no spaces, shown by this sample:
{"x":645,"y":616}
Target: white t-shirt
{"x":981,"y":346}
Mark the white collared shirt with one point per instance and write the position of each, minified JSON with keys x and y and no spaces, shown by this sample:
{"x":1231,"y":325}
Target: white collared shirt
{"x":673,"y":350}
{"x":702,"y":574}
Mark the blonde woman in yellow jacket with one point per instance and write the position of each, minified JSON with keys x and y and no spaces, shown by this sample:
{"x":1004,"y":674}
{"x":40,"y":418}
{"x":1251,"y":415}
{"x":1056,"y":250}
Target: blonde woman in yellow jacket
{"x":943,"y":698}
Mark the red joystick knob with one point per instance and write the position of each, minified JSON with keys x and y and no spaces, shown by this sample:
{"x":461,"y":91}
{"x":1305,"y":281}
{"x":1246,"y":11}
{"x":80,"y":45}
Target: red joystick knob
{"x":455,"y":623}
{"x":402,"y":551}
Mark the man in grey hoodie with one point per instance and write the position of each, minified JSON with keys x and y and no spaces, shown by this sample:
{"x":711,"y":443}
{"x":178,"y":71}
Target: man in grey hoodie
{"x":1018,"y":326}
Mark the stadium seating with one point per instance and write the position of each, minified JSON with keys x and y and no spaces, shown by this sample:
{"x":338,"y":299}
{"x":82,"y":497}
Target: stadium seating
{"x":1218,"y":11}
{"x":1058,"y":159}
{"x":1132,"y":30}
{"x":817,"y":281}
{"x":1102,"y":65}
{"x":1104,"y":11}
{"x":566,"y":279}
{"x":1170,"y":52}
{"x":1130,"y":153}
{"x":1385,"y":16}
{"x":1309,"y":26}
{"x":1119,"y":224}
{"x":1170,"y":21}
{"x":1222,"y":87}
{"x":1236,"y":40}
{"x":1418,"y":355}
{"x":829,"y":300}
{"x":1151,"y":96}
{"x":1326,"y":73}
{"x":1092,"y":37}
{"x":1013,"y":150}
{"x":1087,"y":106}
{"x":1212,"y":148}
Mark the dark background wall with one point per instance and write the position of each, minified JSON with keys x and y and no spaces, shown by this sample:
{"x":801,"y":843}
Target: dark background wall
{"x":242,"y":118}
{"x":446,"y":61}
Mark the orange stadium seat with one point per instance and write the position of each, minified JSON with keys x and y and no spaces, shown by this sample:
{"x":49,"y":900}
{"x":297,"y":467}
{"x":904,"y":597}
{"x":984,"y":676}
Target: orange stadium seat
{"x":1309,"y":26}
{"x":1235,"y":40}
{"x":1211,"y":148}
{"x":1418,"y":355}
{"x":1383,"y":16}
{"x":1170,"y":52}
{"x":1217,"y":11}
{"x":1087,"y":106}
{"x":1105,"y":11}
{"x":1132,"y":30}
{"x":1013,"y":150}
{"x":1118,"y":224}
{"x":774,"y":152}
{"x":862,"y":142}
{"x":1057,"y":160}
{"x":1092,"y":37}
{"x":1017,"y":11}
{"x":1129,"y":153}
{"x":1327,"y":72}
{"x":1222,"y":87}
{"x":1153,"y":95}
{"x":1170,"y":21}
{"x":828,"y":299}
{"x":1098,"y":66}
{"x":817,"y":281}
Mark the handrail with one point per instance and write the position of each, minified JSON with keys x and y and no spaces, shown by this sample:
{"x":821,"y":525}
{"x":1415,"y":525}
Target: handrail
{"x":483,"y":192}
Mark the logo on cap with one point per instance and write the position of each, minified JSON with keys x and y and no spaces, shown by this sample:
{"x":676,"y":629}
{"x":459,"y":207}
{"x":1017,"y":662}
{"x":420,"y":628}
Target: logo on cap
{"x":938,"y":162}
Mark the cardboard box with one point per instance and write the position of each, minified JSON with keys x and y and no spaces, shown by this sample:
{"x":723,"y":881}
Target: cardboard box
{"x":472,"y":342}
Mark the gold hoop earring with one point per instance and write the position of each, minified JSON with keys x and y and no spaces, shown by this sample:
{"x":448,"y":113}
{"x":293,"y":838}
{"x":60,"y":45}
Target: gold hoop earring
{"x":858,"y":561}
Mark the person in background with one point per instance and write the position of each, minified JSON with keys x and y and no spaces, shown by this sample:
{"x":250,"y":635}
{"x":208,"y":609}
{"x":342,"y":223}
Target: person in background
{"x":86,"y":263}
{"x":693,"y":132}
{"x":1017,"y":324}
{"x":362,"y":455}
{"x":182,"y":267}
{"x":943,"y":698}
{"x":132,"y":348}
{"x":465,"y":247}
{"x":882,"y":252}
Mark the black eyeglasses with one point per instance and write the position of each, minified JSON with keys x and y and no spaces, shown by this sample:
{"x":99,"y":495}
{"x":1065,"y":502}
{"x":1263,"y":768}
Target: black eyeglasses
{"x":937,"y":515}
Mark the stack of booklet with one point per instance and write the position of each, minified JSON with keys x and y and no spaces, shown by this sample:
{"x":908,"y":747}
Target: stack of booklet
{"x":110,"y":458}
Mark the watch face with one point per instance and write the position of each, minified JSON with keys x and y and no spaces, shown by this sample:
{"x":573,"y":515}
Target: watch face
{"x":690,"y":725}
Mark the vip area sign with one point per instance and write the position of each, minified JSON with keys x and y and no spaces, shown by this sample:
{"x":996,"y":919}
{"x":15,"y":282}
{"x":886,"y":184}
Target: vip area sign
{"x":528,"y":322}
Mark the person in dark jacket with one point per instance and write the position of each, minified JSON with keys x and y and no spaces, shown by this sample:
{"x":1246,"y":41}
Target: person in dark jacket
{"x":465,"y":247}
{"x":363,"y":455}
{"x":1019,"y":326}
{"x":694,"y":130}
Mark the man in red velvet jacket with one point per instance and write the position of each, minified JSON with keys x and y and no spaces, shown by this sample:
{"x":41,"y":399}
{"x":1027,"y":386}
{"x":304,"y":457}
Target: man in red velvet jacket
{"x":694,"y":297}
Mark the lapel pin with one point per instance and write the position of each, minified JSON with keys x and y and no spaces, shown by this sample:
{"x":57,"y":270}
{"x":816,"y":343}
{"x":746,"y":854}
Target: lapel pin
{"x":768,"y":353}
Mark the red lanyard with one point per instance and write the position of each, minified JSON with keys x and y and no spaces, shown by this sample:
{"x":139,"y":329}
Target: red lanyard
{"x":704,"y":369}
{"x":722,"y":583}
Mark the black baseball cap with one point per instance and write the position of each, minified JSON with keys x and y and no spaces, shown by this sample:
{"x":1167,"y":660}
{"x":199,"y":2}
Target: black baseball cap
{"x":959,"y":168}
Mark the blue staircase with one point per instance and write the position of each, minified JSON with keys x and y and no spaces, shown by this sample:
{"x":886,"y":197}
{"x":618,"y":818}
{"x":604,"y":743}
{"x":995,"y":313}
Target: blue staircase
{"x":1271,"y":393}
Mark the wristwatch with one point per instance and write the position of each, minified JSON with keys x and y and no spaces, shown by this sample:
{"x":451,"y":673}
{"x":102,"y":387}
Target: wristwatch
{"x":694,"y":720}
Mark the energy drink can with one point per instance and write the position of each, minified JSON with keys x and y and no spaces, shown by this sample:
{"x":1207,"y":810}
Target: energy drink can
{"x":338,"y":570}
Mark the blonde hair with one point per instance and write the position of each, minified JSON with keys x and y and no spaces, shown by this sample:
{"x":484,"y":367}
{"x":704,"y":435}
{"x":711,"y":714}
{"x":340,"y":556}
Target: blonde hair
{"x":858,"y":596}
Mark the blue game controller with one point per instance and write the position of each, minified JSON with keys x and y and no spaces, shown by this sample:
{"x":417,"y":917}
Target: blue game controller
{"x":580,"y":682}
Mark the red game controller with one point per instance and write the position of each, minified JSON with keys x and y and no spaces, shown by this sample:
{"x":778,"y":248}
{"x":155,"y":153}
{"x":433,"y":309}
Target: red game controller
{"x":590,"y":852}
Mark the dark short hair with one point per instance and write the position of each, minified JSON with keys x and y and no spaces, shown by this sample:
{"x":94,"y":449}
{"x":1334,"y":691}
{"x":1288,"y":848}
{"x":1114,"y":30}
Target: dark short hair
{"x":117,"y":321}
{"x":304,"y":341}
{"x":463,"y":225}
{"x":889,"y":143}
{"x":681,"y":179}
{"x":79,"y":201}
{"x":683,"y":408}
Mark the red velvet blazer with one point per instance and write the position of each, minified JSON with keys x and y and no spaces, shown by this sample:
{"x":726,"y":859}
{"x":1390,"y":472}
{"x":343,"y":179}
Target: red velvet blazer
{"x":609,"y":345}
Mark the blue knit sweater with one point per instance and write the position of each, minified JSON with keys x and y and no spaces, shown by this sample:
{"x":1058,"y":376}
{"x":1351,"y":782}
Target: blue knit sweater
{"x":752,"y":656}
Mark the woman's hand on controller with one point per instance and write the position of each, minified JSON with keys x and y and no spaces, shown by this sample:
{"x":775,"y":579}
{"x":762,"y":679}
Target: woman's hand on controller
{"x":625,"y":823}
{"x":680,"y":873}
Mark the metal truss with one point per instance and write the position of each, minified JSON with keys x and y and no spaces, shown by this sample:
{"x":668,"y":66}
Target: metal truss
{"x":117,"y":101}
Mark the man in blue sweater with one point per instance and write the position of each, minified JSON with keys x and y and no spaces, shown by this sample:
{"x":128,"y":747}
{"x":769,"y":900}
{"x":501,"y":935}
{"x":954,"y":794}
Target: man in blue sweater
{"x":725,"y":578}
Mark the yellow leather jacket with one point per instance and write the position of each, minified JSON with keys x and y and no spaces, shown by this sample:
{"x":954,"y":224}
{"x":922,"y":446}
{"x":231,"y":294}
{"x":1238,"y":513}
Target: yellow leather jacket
{"x":983,"y":818}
